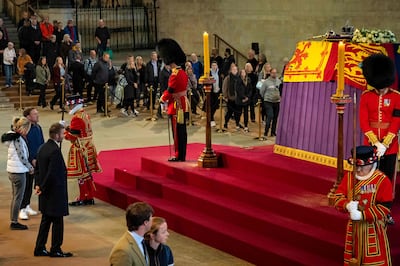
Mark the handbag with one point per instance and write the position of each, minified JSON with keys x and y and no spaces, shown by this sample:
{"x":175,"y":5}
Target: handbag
{"x":259,"y":84}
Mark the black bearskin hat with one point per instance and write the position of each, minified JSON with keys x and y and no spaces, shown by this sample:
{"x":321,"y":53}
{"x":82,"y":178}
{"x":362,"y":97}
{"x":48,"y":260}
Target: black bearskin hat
{"x":379,"y":71}
{"x":170,"y":52}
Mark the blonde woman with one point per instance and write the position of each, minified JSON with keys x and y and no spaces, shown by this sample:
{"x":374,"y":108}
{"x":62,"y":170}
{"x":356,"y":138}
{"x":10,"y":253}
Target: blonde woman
{"x":156,"y":238}
{"x":141,"y":72}
{"x":17,"y":166}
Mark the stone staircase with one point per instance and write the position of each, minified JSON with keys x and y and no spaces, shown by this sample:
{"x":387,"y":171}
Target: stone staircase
{"x":11,"y":29}
{"x":10,"y":97}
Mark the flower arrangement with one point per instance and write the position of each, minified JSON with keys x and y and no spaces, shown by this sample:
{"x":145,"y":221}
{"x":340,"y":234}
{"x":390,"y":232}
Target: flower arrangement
{"x":373,"y":36}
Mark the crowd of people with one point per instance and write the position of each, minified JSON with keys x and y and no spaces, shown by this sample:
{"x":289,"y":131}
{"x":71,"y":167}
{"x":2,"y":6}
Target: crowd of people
{"x":50,"y":57}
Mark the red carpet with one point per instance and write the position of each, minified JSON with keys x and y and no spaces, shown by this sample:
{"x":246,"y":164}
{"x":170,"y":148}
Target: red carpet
{"x":262,"y":207}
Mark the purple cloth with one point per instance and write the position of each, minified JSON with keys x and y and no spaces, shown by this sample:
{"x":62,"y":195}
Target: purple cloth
{"x":309,"y":121}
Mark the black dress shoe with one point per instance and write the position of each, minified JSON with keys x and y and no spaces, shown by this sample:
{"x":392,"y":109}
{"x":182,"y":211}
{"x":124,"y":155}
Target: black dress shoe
{"x":60,"y":254}
{"x":18,"y":226}
{"x":173,"y":159}
{"x":76,"y":203}
{"x":88,"y":202}
{"x":41,"y":253}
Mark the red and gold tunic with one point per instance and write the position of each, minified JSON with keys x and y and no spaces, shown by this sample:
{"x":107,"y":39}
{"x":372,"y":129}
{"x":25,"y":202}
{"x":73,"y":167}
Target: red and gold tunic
{"x":82,"y":147}
{"x":370,"y":239}
{"x":176,"y":94}
{"x":379,"y":118}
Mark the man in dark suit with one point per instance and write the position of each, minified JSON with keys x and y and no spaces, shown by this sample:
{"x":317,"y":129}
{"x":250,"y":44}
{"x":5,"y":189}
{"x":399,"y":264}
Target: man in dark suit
{"x":51,"y":187}
{"x":153,"y":69}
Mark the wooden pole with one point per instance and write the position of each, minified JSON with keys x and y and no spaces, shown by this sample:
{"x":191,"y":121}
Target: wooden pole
{"x":208,"y":158}
{"x":354,"y":261}
{"x":20,"y":81}
{"x":340,"y":102}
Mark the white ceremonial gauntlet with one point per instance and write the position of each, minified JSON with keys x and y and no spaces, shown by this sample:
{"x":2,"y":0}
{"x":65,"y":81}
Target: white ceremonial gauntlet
{"x":352,"y":206}
{"x":355,"y":215}
{"x":380,"y":149}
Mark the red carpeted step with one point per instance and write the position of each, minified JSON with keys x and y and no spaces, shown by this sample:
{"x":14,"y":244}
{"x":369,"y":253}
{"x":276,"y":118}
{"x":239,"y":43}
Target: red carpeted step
{"x":316,"y":178}
{"x":264,"y":199}
{"x":258,"y":216}
{"x":279,"y":196}
{"x":245,"y":243}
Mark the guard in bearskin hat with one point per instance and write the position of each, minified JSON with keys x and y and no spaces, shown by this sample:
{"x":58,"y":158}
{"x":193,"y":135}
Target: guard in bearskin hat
{"x":368,"y":211}
{"x":82,"y":156}
{"x":380,"y":112}
{"x":176,"y":95}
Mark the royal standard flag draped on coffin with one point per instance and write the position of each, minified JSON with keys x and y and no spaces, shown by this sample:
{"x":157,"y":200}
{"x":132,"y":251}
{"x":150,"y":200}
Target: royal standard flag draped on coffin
{"x":315,"y":61}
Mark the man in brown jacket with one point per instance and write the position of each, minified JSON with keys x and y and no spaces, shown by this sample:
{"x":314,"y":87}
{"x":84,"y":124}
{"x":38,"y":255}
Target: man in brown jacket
{"x":130,"y":249}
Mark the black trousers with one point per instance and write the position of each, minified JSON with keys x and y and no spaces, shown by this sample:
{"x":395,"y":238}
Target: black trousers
{"x":42,"y":95}
{"x":57,"y":233}
{"x":57,"y":96}
{"x":28,"y":191}
{"x":232,"y":109}
{"x":179,"y":133}
{"x":387,"y":164}
{"x":100,"y":97}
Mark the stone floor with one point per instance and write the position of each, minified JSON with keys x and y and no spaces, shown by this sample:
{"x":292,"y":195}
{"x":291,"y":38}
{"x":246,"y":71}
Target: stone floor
{"x":90,"y":232}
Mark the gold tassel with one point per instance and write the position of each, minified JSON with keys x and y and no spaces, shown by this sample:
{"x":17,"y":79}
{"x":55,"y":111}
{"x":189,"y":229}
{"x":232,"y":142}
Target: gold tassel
{"x":181,"y":116}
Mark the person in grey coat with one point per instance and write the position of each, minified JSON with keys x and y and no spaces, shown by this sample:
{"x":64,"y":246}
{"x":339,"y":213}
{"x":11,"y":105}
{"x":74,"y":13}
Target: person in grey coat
{"x":271,"y":99}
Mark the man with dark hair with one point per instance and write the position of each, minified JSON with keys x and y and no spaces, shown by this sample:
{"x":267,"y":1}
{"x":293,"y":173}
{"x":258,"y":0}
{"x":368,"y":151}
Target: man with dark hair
{"x":51,"y":187}
{"x":34,"y":140}
{"x":130,"y":249}
{"x":228,"y":61}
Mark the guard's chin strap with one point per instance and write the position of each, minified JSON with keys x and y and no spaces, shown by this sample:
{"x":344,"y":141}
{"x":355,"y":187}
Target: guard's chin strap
{"x":76,"y":108}
{"x":365,"y":177}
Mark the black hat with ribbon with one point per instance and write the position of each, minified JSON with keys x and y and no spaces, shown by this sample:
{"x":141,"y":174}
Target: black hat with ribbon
{"x":365,"y":155}
{"x":73,"y":100}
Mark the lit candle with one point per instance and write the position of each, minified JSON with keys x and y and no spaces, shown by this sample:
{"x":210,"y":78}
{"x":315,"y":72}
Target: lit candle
{"x":206,"y":55}
{"x":340,"y":72}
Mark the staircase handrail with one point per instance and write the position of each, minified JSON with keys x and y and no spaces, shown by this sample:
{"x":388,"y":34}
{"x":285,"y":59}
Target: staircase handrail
{"x":14,"y":9}
{"x":236,"y":53}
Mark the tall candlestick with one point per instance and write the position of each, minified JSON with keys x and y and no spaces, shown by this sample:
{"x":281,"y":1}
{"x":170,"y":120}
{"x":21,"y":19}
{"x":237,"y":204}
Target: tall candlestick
{"x":206,"y":55}
{"x":340,"y":76}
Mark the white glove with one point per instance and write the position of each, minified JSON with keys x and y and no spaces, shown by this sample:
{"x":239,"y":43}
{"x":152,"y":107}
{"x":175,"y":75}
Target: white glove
{"x":62,"y":122}
{"x":352,"y":206}
{"x":380,"y":149}
{"x":355,"y":215}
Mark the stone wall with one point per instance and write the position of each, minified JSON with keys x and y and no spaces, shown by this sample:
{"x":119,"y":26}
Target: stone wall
{"x":276,"y":25}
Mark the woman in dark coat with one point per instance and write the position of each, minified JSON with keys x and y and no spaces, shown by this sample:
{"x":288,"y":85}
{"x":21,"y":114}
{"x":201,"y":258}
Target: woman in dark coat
{"x":129,"y":90}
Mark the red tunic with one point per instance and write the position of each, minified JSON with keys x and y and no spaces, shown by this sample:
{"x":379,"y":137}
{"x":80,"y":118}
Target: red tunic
{"x":377,"y":120}
{"x":373,"y":249}
{"x":176,"y":94}
{"x":80,"y":135}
